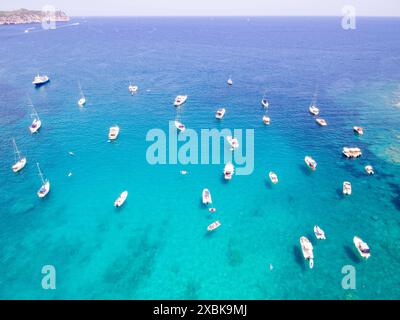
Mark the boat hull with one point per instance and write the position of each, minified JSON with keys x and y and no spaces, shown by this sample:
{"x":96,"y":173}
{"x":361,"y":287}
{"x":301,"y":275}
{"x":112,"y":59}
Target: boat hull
{"x":19,"y":165}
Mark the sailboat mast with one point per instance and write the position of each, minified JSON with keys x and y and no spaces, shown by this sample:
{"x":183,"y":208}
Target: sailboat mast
{"x":16,"y":149}
{"x":40,"y":172}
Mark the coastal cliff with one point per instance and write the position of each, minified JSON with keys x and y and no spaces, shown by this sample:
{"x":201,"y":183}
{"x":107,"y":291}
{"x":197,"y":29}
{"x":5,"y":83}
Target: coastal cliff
{"x":29,"y":16}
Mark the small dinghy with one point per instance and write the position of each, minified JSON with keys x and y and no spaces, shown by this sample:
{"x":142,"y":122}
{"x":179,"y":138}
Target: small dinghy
{"x":132,"y":88}
{"x":358,"y":130}
{"x":113,"y":133}
{"x":369,"y":169}
{"x":121,"y":199}
{"x":220,"y":113}
{"x":229,"y":170}
{"x":321,"y":122}
{"x":362,"y":247}
{"x":206,"y":196}
{"x":347,"y":188}
{"x":352,"y":152}
{"x":313,"y":110}
{"x":233,"y":142}
{"x":212,"y":210}
{"x":266,"y":120}
{"x":214,"y":226}
{"x":179,"y":100}
{"x":311,"y":163}
{"x":319,"y":233}
{"x":229,"y":82}
{"x":273,"y":177}
{"x":307,"y":249}
{"x":180,"y":126}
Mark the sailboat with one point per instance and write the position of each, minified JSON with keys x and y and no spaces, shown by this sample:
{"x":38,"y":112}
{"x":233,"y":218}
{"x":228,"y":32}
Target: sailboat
{"x":314,"y":110}
{"x":36,"y":123}
{"x":264,"y":101}
{"x":45,"y":188}
{"x":21,"y":162}
{"x":82,"y":100}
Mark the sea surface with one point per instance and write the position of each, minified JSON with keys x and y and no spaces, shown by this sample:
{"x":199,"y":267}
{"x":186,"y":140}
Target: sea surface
{"x":157,"y":245}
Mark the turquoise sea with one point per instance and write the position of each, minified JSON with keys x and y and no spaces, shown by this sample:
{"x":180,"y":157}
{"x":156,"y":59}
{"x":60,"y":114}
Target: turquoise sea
{"x":157,"y":246}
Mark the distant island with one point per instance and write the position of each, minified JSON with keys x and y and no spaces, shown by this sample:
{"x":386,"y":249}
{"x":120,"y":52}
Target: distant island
{"x":29,"y":16}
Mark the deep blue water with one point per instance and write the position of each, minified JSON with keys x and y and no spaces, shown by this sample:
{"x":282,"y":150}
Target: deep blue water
{"x":157,"y":246}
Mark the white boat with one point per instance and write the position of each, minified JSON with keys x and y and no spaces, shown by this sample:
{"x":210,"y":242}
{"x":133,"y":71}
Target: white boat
{"x":229,"y":170}
{"x":20,"y":162}
{"x":179,"y":100}
{"x":311,"y":163}
{"x":212,"y":210}
{"x":113,"y":133}
{"x":36,"y":123}
{"x":220,"y":113}
{"x":214,"y":225}
{"x":319,"y":233}
{"x":39,"y":80}
{"x":82,"y":100}
{"x":233,"y":142}
{"x":179,"y":125}
{"x":321,"y":122}
{"x":347,"y":188}
{"x":352,"y":152}
{"x":184,"y":172}
{"x":266,"y":120}
{"x":264,"y":102}
{"x":358,"y":130}
{"x":121,"y":199}
{"x":132,"y":88}
{"x":206,"y":196}
{"x":45,"y":188}
{"x":307,"y":249}
{"x":362,"y":247}
{"x":229,"y":81}
{"x":273,"y":177}
{"x":369,"y":169}
{"x":313,"y":110}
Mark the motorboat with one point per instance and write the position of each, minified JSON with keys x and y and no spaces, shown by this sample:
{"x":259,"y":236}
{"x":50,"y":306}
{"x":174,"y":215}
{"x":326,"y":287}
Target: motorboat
{"x":358,"y":130}
{"x":362,"y":247}
{"x":45,"y":188}
{"x":212,"y":210}
{"x":179,"y":125}
{"x":369,"y":169}
{"x":179,"y":100}
{"x":266,"y":120}
{"x":347,"y":188}
{"x":233,"y":142}
{"x":319,"y":233}
{"x":229,"y":170}
{"x":113,"y":133}
{"x":121,"y":199}
{"x":321,"y":122}
{"x":20,"y":162}
{"x":214,"y":225}
{"x":352,"y":152}
{"x":312,"y":164}
{"x":229,"y":81}
{"x":313,"y":110}
{"x":39,"y":80}
{"x":132,"y":88}
{"x":273,"y":177}
{"x":206,"y":196}
{"x":82,"y":101}
{"x":184,"y":172}
{"x":220,"y":113}
{"x":307,"y":249}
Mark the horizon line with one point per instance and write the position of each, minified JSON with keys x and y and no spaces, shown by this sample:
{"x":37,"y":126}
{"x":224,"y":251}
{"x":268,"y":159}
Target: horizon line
{"x":229,"y":16}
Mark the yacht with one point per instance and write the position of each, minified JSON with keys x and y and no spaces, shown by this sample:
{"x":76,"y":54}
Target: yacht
{"x":45,"y":188}
{"x":121,"y":199}
{"x":313,"y":110}
{"x":214,"y":225}
{"x":319,"y":233}
{"x":362,"y":247}
{"x":233,"y":142}
{"x":273,"y":177}
{"x":229,"y":82}
{"x":321,"y":122}
{"x":369,"y":169}
{"x":179,"y":100}
{"x":229,"y":170}
{"x":36,"y":123}
{"x":180,"y":126}
{"x":266,"y":120}
{"x":113,"y":133}
{"x":352,"y":152}
{"x":220,"y":113}
{"x":206,"y":196}
{"x":307,"y":249}
{"x":39,"y":80}
{"x":132,"y":88}
{"x":358,"y":130}
{"x":347,"y":188}
{"x":312,"y":164}
{"x":82,"y":100}
{"x":20,"y":161}
{"x":264,"y":102}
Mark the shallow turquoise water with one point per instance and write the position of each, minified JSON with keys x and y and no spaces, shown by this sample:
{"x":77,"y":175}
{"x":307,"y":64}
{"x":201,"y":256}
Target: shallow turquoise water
{"x":157,"y":246}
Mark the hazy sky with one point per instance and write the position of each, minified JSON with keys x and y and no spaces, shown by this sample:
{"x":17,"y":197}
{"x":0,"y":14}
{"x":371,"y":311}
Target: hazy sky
{"x":210,"y":7}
